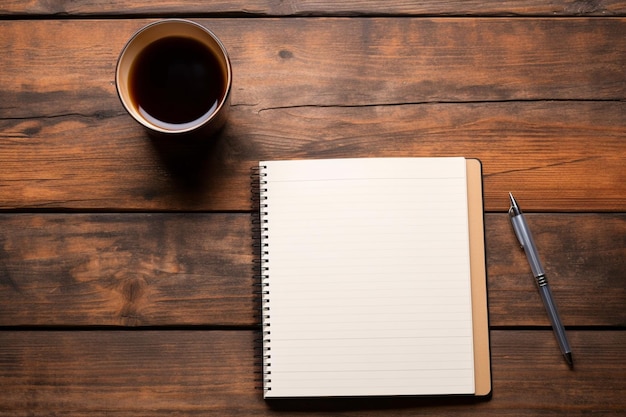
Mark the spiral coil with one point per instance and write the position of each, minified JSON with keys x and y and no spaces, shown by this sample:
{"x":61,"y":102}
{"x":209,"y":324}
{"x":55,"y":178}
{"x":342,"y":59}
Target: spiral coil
{"x":261,"y":269}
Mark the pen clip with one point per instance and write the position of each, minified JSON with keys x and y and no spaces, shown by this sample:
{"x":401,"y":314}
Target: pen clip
{"x":519,"y":238}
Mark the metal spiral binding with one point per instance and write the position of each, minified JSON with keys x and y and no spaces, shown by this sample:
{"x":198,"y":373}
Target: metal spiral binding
{"x":261,"y":271}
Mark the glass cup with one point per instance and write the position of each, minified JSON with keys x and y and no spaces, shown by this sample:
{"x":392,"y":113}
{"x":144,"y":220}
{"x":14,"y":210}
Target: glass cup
{"x":174,"y":77}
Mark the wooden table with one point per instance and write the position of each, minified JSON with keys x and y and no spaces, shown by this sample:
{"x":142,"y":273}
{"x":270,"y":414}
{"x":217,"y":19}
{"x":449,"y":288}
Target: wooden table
{"x":126,"y":263}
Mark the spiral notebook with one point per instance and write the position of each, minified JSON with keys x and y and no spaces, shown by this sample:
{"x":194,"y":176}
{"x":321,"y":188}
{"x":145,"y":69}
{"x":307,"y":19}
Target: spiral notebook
{"x":373,"y":278}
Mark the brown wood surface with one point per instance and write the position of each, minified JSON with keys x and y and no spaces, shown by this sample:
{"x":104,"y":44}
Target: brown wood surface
{"x":196,"y":269}
{"x":126,"y":263}
{"x":149,"y":269}
{"x":526,"y":97}
{"x":213,"y":373}
{"x":317,"y":7}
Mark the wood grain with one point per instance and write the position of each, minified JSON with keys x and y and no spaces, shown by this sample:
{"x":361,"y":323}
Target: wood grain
{"x":67,"y":67}
{"x":540,"y":151}
{"x":196,"y":269}
{"x":158,"y":373}
{"x":173,"y":269}
{"x":316,"y":7}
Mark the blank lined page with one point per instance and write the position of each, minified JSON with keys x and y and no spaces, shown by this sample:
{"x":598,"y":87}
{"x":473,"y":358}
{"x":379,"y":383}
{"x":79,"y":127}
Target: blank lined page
{"x":367,"y":277}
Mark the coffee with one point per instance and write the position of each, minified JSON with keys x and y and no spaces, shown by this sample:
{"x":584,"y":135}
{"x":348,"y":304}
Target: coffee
{"x":174,"y":77}
{"x":175,"y":81}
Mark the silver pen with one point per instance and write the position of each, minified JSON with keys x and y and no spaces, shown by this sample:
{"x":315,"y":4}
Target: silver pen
{"x":526,"y":240}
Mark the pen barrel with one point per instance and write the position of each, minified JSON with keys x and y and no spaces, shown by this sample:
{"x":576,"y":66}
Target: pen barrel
{"x":526,"y":240}
{"x":555,"y":320}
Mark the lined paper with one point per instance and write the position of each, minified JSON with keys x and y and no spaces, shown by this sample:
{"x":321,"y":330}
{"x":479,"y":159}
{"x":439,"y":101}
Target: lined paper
{"x":368,"y":277}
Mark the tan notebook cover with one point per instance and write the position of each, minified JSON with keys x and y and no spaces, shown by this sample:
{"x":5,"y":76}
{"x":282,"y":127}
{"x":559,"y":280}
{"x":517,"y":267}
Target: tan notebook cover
{"x":482,"y":363}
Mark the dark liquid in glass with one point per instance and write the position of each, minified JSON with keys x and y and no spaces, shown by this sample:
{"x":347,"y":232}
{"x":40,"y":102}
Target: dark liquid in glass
{"x":176,"y":80}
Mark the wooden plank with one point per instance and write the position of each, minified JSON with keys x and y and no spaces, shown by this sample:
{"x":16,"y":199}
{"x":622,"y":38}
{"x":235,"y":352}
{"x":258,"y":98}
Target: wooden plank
{"x":67,"y":143}
{"x":159,"y":373}
{"x":173,"y":269}
{"x":316,"y":8}
{"x":67,"y":67}
{"x":196,"y":269}
{"x":565,"y":156}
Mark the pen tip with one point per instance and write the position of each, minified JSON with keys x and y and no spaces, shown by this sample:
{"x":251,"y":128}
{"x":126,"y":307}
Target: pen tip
{"x":513,"y":202}
{"x":514,"y":210}
{"x":568,"y":358}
